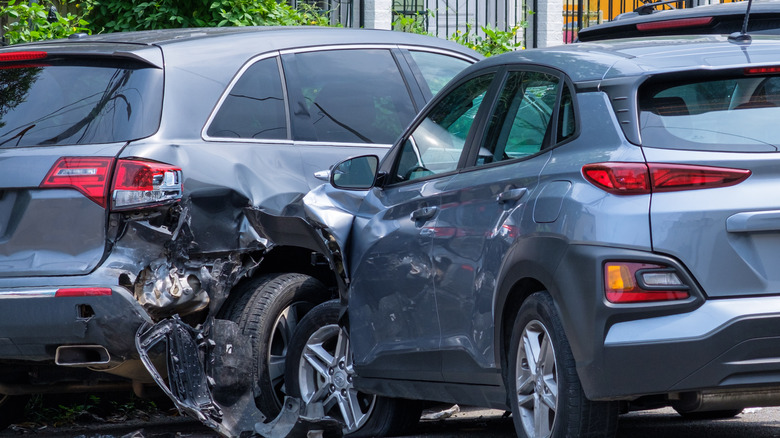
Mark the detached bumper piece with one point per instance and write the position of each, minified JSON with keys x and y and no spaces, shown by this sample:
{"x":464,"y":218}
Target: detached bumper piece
{"x":210,"y":375}
{"x":210,"y":378}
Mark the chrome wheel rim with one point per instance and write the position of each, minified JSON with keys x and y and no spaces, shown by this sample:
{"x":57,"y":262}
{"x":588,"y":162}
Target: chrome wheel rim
{"x":281,"y":334}
{"x":536,"y":387}
{"x":325,"y":375}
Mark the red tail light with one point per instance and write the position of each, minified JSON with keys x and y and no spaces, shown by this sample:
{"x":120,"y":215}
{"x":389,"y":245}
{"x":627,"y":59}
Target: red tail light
{"x":640,"y":179}
{"x":137,"y":184}
{"x":630,"y":282}
{"x":674,"y":24}
{"x":87,"y":175}
{"x":145,"y":184}
{"x":22,"y":56}
{"x":762,"y":70}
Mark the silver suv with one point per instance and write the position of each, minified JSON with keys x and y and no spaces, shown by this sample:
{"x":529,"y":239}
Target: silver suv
{"x":566,"y":233}
{"x":128,"y":163}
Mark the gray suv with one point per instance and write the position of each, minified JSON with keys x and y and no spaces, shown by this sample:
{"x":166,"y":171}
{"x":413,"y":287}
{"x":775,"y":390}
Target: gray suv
{"x":567,"y":233}
{"x":128,"y":163}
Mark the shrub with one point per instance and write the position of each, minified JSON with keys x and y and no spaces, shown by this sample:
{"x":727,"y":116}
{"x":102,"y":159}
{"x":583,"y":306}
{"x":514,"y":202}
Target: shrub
{"x":38,"y":21}
{"x":129,"y":15}
{"x":495,"y":41}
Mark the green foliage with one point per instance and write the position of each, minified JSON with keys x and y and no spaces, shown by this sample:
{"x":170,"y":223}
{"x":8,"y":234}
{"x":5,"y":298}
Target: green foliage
{"x":30,"y":22}
{"x":411,"y":23}
{"x":129,"y":15}
{"x":494,"y":42}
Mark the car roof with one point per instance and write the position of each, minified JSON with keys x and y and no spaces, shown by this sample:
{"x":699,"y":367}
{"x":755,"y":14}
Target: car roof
{"x":248,"y":40}
{"x":584,"y":62}
{"x":725,"y":19}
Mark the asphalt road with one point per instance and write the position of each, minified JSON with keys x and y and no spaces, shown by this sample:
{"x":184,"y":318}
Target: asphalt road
{"x":469,"y":423}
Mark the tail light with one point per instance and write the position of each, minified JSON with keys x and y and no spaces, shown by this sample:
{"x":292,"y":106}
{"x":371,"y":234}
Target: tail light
{"x":680,"y":23}
{"x":22,"y":56}
{"x":136,"y":183}
{"x":145,"y":184}
{"x":641,"y":179}
{"x":87,"y":175}
{"x":631,"y":282}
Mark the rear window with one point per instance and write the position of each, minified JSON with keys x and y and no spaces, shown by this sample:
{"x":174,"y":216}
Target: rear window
{"x":730,"y":114}
{"x":78,"y":103}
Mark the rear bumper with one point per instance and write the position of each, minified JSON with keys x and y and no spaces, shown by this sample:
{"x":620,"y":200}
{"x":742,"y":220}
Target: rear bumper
{"x":34,"y":323}
{"x":724,"y":344}
{"x":631,"y":350}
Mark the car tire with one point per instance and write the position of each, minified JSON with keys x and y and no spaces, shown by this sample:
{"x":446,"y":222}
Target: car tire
{"x":12,"y":409}
{"x":709,"y":415}
{"x":320,"y":339}
{"x":268,"y":311}
{"x":545,"y":392}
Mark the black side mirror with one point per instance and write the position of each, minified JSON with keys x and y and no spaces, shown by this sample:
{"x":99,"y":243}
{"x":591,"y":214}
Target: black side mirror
{"x":357,"y":173}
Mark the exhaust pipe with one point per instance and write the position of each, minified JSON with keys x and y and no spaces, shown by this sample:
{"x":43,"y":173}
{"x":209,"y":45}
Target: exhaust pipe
{"x":81,"y":355}
{"x":707,"y":401}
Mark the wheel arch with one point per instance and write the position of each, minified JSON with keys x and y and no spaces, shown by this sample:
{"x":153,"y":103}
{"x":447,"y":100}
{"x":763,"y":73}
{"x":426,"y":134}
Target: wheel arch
{"x":286,"y":259}
{"x":528,"y":268}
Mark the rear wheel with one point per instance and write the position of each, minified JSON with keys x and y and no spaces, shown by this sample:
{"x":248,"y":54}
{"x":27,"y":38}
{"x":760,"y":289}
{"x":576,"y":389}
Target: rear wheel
{"x":547,"y":397}
{"x":268,"y":313}
{"x":319,"y":370}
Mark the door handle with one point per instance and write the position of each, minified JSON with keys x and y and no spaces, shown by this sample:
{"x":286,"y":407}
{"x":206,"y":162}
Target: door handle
{"x":511,"y":195}
{"x":423,"y":214}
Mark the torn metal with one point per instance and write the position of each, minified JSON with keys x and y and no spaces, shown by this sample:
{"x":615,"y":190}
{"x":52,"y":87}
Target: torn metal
{"x":208,"y":371}
{"x":211,"y":378}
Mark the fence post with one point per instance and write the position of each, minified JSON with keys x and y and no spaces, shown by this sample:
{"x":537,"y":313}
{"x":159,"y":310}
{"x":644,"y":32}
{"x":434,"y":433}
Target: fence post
{"x":549,"y":22}
{"x":378,"y":14}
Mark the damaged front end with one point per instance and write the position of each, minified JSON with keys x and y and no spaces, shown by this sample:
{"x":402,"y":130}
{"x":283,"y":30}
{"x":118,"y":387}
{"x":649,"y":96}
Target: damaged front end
{"x":209,"y":370}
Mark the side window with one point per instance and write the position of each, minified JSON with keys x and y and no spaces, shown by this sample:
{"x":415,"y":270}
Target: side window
{"x":520,"y":125}
{"x":437,"y":69}
{"x":350,"y":96}
{"x":254,"y":108}
{"x":566,"y":125}
{"x":435,"y":145}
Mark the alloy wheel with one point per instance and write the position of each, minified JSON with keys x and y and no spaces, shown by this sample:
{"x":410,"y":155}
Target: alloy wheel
{"x":282,"y":332}
{"x":536,"y":387}
{"x":325,"y":375}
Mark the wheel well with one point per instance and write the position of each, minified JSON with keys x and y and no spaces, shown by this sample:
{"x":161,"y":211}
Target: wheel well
{"x":285,"y":259}
{"x":300,"y":260}
{"x":517,"y":295}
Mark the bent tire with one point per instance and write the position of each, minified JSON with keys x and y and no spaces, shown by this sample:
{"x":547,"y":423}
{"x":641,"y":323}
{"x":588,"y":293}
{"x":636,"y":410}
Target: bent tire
{"x":268,"y":312}
{"x":545,"y":392}
{"x":319,"y":369}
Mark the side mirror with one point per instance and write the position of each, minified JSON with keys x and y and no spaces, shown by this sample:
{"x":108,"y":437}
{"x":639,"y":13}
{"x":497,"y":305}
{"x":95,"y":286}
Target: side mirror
{"x":358,"y":173}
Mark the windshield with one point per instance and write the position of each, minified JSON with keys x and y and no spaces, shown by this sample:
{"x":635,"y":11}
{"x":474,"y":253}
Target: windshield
{"x":734,"y":114}
{"x":78,"y":103}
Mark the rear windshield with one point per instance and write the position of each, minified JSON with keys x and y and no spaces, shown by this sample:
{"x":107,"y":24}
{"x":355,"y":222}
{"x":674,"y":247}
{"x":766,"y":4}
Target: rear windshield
{"x":78,"y":103}
{"x":732,"y":114}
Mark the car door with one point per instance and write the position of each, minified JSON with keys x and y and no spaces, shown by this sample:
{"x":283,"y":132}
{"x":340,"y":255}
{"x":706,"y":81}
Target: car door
{"x":482,"y":215}
{"x":394,"y":324}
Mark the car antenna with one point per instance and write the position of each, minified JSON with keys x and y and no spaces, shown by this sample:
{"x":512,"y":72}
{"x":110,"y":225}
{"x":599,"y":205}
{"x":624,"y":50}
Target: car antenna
{"x":743,"y":37}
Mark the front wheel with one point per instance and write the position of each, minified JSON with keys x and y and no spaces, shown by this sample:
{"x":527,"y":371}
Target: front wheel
{"x":319,"y":370}
{"x":547,"y":397}
{"x":267,"y":312}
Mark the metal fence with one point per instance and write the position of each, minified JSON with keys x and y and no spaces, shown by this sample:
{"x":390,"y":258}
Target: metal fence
{"x":443,"y":18}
